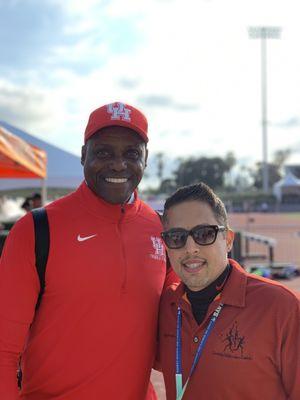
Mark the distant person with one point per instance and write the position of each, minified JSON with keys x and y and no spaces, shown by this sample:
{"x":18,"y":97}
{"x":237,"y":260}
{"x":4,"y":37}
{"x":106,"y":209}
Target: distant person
{"x":94,"y":334}
{"x":264,"y":207}
{"x":224,"y":334}
{"x":27,"y":204}
{"x":36,"y":200}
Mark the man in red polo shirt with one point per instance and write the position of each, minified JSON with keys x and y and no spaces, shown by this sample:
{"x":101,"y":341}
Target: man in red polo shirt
{"x":94,"y":334}
{"x":224,"y":334}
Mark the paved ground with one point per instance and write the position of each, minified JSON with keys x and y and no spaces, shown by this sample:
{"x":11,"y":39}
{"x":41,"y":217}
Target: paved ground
{"x":294,"y":284}
{"x":156,"y":377}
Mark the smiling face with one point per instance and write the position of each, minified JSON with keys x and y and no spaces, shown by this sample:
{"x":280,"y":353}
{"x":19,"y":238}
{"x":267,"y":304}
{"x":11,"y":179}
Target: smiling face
{"x":114,"y":161}
{"x":197,"y":266}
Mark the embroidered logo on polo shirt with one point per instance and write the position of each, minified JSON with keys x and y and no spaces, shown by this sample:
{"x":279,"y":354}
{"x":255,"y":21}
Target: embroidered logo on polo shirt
{"x":232,"y":344}
{"x":159,"y":250}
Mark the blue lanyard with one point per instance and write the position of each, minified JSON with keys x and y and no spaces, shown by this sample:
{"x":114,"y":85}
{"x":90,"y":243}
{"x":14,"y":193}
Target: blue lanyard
{"x":179,"y":388}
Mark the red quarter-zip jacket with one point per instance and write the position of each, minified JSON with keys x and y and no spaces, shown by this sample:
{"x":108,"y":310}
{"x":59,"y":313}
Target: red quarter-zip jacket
{"x":94,"y":334}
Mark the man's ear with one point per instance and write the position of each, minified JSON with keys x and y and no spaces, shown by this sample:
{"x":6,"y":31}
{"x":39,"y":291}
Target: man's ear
{"x":229,"y":239}
{"x":83,"y":154}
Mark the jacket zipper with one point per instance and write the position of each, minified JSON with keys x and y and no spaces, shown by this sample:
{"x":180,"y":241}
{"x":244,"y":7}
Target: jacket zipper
{"x":124,"y":260}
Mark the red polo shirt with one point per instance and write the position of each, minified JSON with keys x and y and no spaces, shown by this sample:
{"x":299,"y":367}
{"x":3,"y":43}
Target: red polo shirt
{"x":253,"y":350}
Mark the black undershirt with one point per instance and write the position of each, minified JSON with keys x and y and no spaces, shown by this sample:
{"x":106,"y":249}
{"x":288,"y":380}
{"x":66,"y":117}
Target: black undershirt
{"x":201,"y":299}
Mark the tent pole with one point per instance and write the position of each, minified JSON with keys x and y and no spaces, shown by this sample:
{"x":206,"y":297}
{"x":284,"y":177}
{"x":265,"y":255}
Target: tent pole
{"x":44,"y":191}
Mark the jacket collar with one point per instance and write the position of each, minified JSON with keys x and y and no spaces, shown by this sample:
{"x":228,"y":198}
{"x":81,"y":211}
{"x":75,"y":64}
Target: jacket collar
{"x":100,"y":208}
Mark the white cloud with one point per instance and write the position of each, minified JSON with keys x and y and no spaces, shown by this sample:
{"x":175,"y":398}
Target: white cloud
{"x":194,"y":53}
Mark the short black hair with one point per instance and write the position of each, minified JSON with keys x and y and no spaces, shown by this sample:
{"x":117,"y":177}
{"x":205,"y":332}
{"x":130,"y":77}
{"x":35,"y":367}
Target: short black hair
{"x":36,"y":196}
{"x":198,"y":192}
{"x":26,"y":204}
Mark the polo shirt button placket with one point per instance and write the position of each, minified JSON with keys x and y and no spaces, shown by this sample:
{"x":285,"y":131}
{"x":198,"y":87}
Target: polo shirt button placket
{"x":194,"y":346}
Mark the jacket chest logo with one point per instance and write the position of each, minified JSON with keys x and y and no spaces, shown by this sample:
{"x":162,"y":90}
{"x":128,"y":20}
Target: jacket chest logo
{"x":81,"y":238}
{"x":159,"y":250}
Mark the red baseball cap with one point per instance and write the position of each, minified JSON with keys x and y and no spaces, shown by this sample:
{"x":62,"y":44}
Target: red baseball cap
{"x":119,"y":114}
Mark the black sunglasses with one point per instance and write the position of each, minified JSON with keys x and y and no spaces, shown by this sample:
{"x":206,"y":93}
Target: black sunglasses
{"x":204,"y":235}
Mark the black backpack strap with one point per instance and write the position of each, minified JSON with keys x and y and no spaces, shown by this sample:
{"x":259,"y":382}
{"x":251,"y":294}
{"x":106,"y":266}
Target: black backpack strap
{"x":42,"y":241}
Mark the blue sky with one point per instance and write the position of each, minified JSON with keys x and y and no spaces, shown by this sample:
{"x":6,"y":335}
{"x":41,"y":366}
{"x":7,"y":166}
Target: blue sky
{"x":189,"y":65}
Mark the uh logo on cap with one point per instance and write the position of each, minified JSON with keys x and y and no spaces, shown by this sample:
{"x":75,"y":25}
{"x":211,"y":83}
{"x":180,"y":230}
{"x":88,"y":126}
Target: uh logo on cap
{"x":119,"y":111}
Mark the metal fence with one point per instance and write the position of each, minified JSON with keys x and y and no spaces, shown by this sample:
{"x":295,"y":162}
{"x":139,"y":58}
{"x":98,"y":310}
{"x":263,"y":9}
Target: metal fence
{"x":286,"y":246}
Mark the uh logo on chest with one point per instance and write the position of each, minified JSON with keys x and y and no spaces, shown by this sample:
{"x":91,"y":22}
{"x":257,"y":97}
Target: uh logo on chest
{"x":159,"y":249}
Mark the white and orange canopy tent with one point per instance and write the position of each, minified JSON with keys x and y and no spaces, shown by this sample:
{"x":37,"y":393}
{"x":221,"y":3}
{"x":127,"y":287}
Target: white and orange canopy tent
{"x":19,"y":159}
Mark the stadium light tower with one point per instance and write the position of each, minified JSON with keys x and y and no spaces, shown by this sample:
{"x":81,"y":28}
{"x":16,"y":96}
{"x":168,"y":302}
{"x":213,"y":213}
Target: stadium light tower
{"x":263,"y":33}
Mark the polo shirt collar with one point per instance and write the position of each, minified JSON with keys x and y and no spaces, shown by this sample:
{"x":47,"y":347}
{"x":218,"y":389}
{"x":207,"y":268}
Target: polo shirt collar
{"x":234,"y":292}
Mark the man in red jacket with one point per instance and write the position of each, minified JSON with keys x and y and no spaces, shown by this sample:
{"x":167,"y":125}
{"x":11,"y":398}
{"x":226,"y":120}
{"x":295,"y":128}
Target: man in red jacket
{"x":224,"y":334}
{"x":94,"y":334}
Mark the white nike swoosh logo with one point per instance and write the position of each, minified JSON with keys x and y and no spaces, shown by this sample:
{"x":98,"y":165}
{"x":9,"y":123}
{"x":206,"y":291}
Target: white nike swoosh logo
{"x":83,"y":238}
